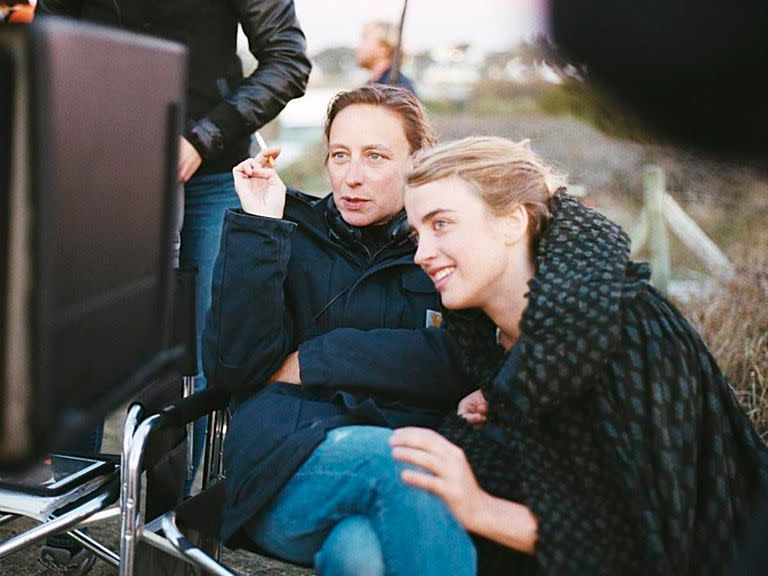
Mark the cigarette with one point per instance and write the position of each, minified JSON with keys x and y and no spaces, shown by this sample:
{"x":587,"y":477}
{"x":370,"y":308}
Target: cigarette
{"x":260,"y":141}
{"x":263,"y":145}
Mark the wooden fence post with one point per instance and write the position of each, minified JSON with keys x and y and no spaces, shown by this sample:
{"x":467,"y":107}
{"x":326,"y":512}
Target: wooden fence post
{"x":654,"y":186}
{"x":660,"y":211}
{"x":696,"y":240}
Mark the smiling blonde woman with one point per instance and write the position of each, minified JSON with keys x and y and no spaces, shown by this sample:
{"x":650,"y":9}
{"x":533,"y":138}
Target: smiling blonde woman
{"x":604,"y":439}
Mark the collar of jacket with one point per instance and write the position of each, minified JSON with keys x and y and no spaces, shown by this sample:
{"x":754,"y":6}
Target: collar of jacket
{"x":572,"y":321}
{"x":311,"y":213}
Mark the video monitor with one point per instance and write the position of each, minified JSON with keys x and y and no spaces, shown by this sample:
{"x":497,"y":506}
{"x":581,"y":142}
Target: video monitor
{"x":91,"y":118}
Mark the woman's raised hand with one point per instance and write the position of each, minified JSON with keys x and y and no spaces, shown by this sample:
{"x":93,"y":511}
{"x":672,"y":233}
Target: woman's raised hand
{"x":260,"y":189}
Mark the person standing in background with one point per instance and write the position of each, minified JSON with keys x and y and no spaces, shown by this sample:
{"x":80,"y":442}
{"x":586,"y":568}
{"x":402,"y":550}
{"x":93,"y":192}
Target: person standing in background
{"x":375,"y":52}
{"x":223,"y":108}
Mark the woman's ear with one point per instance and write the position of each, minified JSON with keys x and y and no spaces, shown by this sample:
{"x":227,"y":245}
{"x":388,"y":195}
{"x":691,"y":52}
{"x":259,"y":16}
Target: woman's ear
{"x":515,"y":225}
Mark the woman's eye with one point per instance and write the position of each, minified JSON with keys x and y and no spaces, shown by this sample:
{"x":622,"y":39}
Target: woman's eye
{"x":439,"y":224}
{"x":338,"y":155}
{"x":375,"y":156}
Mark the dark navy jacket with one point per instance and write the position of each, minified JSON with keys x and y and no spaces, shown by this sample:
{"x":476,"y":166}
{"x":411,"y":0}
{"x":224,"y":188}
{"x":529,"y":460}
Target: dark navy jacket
{"x":402,"y":80}
{"x":358,"y":323}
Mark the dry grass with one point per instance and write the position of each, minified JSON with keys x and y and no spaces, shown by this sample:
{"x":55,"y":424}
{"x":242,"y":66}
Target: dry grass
{"x":734,"y":323}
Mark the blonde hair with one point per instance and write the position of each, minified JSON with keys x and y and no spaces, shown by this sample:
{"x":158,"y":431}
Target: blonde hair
{"x":504,"y":174}
{"x":386,"y":35}
{"x":386,"y":32}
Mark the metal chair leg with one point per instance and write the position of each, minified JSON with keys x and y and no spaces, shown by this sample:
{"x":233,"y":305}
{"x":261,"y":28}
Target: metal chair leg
{"x":214,"y":457}
{"x":191,"y":553}
{"x":96,"y":547}
{"x":214,"y":448}
{"x":188,"y":388}
{"x":55,"y":525}
{"x":131,"y":494}
{"x":5,"y":518}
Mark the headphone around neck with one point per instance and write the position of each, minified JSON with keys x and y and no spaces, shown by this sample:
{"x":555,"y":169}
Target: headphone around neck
{"x":340,"y":231}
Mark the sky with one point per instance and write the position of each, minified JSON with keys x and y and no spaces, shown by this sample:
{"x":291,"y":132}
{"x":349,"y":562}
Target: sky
{"x":486,"y":24}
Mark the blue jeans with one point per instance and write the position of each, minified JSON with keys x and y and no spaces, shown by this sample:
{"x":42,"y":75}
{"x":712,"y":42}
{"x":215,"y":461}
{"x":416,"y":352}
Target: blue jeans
{"x":206,"y":198}
{"x":348,"y":512}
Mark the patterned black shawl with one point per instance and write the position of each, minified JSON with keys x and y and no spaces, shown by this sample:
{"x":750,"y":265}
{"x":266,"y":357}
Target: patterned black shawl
{"x":610,"y":419}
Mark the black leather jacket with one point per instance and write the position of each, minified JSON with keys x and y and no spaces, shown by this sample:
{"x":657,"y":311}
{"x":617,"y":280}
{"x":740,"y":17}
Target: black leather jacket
{"x":223,"y":108}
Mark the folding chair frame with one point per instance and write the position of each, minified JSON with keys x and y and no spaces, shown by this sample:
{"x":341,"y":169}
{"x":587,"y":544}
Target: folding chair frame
{"x":137,"y":434}
{"x":92,"y":502}
{"x":93,"y":499}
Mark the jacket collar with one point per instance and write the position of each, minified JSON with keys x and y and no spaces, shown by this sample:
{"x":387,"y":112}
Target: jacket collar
{"x":319,"y":218}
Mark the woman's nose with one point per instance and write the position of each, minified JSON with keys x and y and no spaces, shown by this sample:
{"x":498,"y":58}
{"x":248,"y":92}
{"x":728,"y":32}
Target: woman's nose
{"x":354,"y":175}
{"x":425,"y":251}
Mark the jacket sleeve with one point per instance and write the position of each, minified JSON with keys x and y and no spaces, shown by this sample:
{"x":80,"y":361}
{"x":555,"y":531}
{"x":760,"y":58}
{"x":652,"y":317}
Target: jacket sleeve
{"x":277,"y":42}
{"x":248,"y":330}
{"x":415,"y":364}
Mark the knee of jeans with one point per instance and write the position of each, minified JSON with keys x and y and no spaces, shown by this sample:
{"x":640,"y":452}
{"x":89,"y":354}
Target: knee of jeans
{"x":368,"y":446}
{"x":351,"y":549}
{"x":367,"y":438}
{"x":369,"y":453}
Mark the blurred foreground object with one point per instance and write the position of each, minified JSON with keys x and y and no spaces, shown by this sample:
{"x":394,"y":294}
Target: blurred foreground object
{"x":688,"y":69}
{"x":16,"y":12}
{"x":87,"y":181}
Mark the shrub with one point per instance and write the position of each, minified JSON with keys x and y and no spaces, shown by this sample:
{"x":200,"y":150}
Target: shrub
{"x":734,"y":324}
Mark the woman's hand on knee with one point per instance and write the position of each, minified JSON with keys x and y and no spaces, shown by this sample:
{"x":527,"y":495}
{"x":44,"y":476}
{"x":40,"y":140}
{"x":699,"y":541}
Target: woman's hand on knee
{"x":503,"y":521}
{"x":450,"y":476}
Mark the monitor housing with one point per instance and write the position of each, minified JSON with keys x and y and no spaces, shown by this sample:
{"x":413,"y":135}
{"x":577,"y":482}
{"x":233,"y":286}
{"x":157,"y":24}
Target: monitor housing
{"x":91,"y":118}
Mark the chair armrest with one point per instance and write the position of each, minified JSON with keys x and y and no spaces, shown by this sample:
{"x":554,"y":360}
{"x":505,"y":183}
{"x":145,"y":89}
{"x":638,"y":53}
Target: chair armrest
{"x":195,"y":406}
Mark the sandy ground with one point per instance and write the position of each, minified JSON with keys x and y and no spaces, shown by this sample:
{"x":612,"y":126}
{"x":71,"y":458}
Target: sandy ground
{"x":25,"y":562}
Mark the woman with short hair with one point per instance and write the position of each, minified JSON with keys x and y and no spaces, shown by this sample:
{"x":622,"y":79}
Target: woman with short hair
{"x":326,"y":332}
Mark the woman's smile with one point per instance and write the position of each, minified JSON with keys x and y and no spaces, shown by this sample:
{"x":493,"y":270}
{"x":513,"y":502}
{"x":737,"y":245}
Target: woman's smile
{"x":441,"y":276}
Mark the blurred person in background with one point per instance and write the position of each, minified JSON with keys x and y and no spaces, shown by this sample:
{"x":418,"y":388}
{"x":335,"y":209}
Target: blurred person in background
{"x":223,"y":109}
{"x":375,"y":52}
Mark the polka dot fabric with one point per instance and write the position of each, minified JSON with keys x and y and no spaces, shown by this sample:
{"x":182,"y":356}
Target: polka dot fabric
{"x":613,"y":423}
